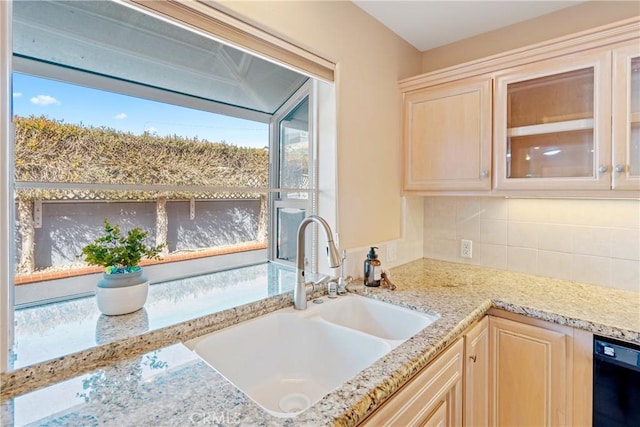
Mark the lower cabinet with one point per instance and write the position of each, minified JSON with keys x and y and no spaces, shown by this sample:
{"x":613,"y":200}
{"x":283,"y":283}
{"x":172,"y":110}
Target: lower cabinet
{"x":432,"y":398}
{"x":529,"y":366}
{"x":540,"y":373}
{"x":476,"y":371}
{"x":506,"y":370}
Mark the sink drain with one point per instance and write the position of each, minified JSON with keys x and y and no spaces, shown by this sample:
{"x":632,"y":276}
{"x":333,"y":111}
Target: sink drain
{"x":294,"y":402}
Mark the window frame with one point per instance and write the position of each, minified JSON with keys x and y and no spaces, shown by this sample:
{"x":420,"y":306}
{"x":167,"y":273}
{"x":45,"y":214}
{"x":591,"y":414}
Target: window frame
{"x":175,"y":15}
{"x":276,"y":201}
{"x":6,"y":191}
{"x":70,"y":289}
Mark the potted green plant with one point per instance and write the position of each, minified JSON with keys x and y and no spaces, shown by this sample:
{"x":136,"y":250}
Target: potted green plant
{"x":123,"y":288}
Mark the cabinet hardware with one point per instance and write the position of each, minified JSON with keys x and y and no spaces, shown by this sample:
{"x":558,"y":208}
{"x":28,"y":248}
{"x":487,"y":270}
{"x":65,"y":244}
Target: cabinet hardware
{"x":620,"y":168}
{"x":603,"y":168}
{"x":473,"y":358}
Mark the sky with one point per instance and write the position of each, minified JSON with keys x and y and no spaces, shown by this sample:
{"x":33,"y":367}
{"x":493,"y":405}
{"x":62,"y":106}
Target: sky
{"x":91,"y":107}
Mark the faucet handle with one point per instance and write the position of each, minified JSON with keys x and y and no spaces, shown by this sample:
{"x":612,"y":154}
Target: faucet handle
{"x":342,"y":284}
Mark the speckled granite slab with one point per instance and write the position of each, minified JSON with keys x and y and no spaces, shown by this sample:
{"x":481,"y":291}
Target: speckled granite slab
{"x":172,"y":387}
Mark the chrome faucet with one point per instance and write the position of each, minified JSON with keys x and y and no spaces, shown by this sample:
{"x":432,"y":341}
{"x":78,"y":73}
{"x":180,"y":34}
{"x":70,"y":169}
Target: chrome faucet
{"x":300,"y":290}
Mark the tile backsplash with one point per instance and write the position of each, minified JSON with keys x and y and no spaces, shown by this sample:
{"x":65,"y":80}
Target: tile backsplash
{"x":590,"y":241}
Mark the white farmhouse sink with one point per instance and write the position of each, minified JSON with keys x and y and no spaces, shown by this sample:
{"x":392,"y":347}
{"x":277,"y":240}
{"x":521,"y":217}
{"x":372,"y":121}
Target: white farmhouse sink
{"x":289,"y":359}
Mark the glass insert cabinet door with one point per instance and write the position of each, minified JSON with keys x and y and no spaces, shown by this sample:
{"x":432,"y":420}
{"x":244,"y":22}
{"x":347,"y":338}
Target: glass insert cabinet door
{"x":626,"y":117}
{"x":552,"y":128}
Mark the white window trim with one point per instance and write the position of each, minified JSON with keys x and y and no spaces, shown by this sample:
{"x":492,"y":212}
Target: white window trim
{"x":275,"y":201}
{"x":6,"y":191}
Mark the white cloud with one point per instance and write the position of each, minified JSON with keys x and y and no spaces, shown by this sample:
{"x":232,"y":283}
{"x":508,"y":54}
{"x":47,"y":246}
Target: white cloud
{"x":17,"y":94}
{"x":44,"y":100}
{"x":120,"y":116}
{"x":151,"y":129}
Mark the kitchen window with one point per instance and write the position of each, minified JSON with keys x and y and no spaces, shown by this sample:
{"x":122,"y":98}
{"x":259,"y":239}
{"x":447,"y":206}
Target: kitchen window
{"x":111,"y":53}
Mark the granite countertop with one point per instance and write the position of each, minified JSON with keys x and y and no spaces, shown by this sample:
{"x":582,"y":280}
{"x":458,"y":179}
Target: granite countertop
{"x":166,"y":384}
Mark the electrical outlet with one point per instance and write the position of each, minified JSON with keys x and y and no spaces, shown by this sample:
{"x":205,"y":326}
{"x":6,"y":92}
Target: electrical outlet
{"x":466,"y":248}
{"x":392,"y":251}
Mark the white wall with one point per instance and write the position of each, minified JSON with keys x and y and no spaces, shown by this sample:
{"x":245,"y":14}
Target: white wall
{"x":589,"y":241}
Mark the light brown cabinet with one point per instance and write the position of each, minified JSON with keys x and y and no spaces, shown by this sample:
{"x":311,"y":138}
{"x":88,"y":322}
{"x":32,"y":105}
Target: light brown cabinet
{"x":540,"y":373}
{"x":506,"y":370}
{"x":447,"y":136}
{"x":559,"y":118}
{"x":432,"y":398}
{"x":476,"y":380}
{"x":528,"y":368}
{"x":626,"y":117}
{"x":552,"y":126}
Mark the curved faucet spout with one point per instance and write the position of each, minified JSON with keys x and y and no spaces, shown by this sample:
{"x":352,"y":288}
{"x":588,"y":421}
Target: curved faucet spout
{"x":299,"y":292}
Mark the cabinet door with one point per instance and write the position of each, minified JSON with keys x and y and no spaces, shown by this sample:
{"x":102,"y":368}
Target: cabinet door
{"x":552,"y":124}
{"x":447,"y":137}
{"x":432,"y":398}
{"x":528,"y":375}
{"x":626,"y":117}
{"x":439,"y":417}
{"x":476,"y":394}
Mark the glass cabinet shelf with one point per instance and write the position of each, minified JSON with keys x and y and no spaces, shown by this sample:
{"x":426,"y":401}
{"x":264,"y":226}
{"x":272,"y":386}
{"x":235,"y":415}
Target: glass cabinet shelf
{"x":553,"y":127}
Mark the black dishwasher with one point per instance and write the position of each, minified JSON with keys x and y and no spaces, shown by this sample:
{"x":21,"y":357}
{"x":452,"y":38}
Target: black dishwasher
{"x":616,"y":383}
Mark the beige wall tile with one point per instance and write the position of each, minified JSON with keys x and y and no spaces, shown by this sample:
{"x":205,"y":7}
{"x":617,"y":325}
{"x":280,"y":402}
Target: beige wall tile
{"x":624,"y":213}
{"x":529,"y":210}
{"x":591,"y":269}
{"x":523,"y":260}
{"x":554,"y":264}
{"x":443,"y":206}
{"x":581,"y":240}
{"x":442,"y":228}
{"x":555,"y":211}
{"x":625,"y":243}
{"x":467,"y":208}
{"x":446,"y":250}
{"x":493,"y":231}
{"x":495,"y":208}
{"x":625,"y":274}
{"x":522,"y":234}
{"x":427,"y":245}
{"x":494,"y":256}
{"x":591,"y":241}
{"x":555,"y":237}
{"x":468,"y":228}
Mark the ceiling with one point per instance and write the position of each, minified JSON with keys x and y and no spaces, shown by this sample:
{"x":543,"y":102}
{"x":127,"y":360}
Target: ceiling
{"x":427,"y":24}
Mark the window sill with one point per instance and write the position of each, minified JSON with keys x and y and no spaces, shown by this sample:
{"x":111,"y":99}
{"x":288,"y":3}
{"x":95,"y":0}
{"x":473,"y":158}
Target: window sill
{"x":53,"y":331}
{"x":23,"y":279}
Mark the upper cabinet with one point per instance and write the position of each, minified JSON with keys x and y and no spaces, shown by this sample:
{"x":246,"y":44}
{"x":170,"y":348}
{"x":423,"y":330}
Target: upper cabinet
{"x":626,"y":117}
{"x":560,"y":118}
{"x":552,"y":124}
{"x":448,"y":136}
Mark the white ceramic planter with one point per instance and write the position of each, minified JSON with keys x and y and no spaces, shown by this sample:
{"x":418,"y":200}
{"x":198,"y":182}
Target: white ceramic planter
{"x":118,"y":294}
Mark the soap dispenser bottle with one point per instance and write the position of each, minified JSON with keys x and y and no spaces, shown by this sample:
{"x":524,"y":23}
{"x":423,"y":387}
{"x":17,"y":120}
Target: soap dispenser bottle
{"x":372,"y":269}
